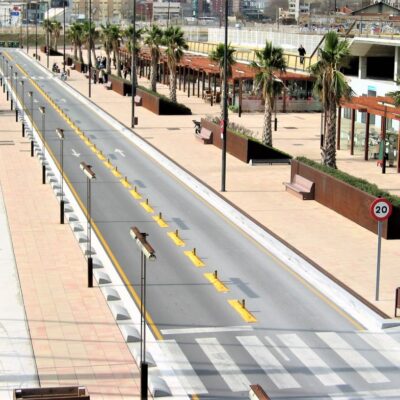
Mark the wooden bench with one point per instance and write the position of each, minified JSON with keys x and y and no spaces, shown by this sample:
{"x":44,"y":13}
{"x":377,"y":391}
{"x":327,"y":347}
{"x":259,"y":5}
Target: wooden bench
{"x":108,"y":85}
{"x":205,"y":136}
{"x":138,"y":100}
{"x":301,"y":187}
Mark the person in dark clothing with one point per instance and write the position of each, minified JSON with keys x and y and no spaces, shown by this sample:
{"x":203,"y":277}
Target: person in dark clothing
{"x":302,"y":53}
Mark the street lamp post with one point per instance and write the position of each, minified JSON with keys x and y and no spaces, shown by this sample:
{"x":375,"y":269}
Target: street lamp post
{"x":30,"y":94}
{"x":36,"y":32}
{"x":11,"y":84}
{"x":42,"y":110}
{"x":16,"y":95}
{"x":90,"y":175}
{"x":225,"y":105}
{"x":22,"y":107}
{"x":60,"y":134}
{"x":90,"y":48}
{"x":146,"y":253}
{"x":133,"y":66}
{"x":27,"y":27}
{"x":63,"y":39}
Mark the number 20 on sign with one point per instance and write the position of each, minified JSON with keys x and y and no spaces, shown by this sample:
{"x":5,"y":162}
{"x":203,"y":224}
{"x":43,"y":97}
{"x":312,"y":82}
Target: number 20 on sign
{"x":381,"y":209}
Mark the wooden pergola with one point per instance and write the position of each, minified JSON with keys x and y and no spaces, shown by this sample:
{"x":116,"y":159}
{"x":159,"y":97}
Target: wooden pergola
{"x":382,"y":106}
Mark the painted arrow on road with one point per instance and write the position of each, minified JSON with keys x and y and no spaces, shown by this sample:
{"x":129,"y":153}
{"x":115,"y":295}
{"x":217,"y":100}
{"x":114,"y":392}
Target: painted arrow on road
{"x":75,"y":154}
{"x":120,"y":152}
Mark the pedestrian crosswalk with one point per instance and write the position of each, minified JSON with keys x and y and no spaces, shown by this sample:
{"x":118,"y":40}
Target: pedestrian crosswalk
{"x":326,"y":365}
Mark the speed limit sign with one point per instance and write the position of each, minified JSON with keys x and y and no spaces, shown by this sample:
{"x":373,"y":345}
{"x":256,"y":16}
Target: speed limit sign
{"x":381,"y":209}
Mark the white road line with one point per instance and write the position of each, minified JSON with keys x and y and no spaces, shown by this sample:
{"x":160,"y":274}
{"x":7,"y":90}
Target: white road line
{"x":182,"y":367}
{"x":353,"y":358}
{"x":311,"y":360}
{"x":385,"y":345}
{"x":267,"y":361}
{"x":370,"y":395}
{"x":276,"y":348}
{"x":184,"y":331}
{"x":223,"y":363}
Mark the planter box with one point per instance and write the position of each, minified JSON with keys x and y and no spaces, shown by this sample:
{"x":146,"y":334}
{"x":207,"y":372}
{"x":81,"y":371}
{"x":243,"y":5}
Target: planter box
{"x":347,"y":200}
{"x":120,"y":86}
{"x":80,"y":67}
{"x":149,"y":101}
{"x":243,"y":148}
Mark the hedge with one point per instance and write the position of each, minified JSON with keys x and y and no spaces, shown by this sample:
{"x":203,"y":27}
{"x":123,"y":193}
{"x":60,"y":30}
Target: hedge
{"x":358,"y":183}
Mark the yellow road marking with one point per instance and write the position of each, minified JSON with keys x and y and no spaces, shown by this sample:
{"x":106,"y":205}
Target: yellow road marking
{"x":135,"y":194}
{"x":108,"y":164}
{"x":242,"y":311}
{"x":197,"y":262}
{"x":216,"y":282}
{"x":116,"y":173}
{"x":101,"y":156}
{"x":195,"y":397}
{"x":160,"y":221}
{"x":104,"y":243}
{"x":125,"y":183}
{"x":176,"y":239}
{"x":147,"y":207}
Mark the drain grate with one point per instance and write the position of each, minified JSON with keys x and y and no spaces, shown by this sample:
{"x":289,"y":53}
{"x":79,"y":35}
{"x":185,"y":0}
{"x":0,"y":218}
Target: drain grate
{"x":173,"y":129}
{"x":7,"y":143}
{"x":290,"y":127}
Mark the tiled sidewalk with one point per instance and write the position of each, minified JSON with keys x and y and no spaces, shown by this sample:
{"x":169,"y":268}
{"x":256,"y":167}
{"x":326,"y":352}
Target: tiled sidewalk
{"x":74,"y":336}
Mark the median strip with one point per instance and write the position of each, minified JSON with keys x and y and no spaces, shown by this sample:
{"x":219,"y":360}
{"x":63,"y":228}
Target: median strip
{"x":147,"y":207}
{"x":213,"y":278}
{"x":160,"y":221}
{"x":176,"y":239}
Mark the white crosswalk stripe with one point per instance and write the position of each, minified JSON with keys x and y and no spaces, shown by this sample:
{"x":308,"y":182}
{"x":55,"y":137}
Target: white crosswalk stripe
{"x":268,"y":362}
{"x":182,"y":367}
{"x":353,"y":358}
{"x":223,"y":363}
{"x":311,"y":360}
{"x":385,"y":345}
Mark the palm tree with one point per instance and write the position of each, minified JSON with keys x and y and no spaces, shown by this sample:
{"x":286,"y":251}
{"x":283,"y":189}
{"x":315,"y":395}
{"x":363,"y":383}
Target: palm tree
{"x":331,"y":86}
{"x":128,"y":35}
{"x":106,"y":35}
{"x":75,"y":36}
{"x":153,"y":41}
{"x":268,"y":60}
{"x":47,"y":28}
{"x":115,"y":38}
{"x":175,"y":42}
{"x":217,"y":55}
{"x":56,"y":29}
{"x":395,"y":96}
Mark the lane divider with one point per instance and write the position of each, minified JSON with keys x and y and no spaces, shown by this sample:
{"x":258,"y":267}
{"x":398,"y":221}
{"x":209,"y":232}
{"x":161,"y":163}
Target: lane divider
{"x":135,"y":194}
{"x":160,"y":221}
{"x":194,"y":258}
{"x":125,"y":183}
{"x":213,"y":278}
{"x":116,"y":173}
{"x":147,"y":207}
{"x":240,"y":307}
{"x":176,"y":239}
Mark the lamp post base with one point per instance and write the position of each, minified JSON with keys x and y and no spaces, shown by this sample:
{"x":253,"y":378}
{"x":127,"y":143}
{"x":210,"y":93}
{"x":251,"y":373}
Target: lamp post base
{"x":16,"y":114}
{"x":90,"y":272}
{"x":12,"y":104}
{"x":144,"y":374}
{"x":43,"y":174}
{"x":32,"y":148}
{"x":23,"y":129}
{"x":62,"y":212}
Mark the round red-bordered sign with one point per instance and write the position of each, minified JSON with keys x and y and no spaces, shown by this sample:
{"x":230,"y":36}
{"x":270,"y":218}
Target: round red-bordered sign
{"x":381,"y":209}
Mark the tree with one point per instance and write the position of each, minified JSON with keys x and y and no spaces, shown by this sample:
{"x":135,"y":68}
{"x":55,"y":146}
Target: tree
{"x":331,"y":86}
{"x":75,"y":36}
{"x":128,"y":35}
{"x":47,"y":28}
{"x":106,"y":36}
{"x":175,"y":42}
{"x":56,"y":29}
{"x":153,"y":40}
{"x":268,"y":60}
{"x":115,"y":37}
{"x":395,"y":96}
{"x":217,"y":55}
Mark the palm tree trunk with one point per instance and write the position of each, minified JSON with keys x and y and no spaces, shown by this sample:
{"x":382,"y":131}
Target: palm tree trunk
{"x":329,"y":150}
{"x":153,"y":77}
{"x":172,"y":84}
{"x":80,"y":54}
{"x":118,"y":64}
{"x":108,"y":56}
{"x":94,"y":52}
{"x":55,"y":43}
{"x":267,"y":128}
{"x":75,"y":51}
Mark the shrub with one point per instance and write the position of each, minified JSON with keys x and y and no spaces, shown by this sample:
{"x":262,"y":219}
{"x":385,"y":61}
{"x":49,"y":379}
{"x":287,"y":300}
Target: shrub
{"x":358,"y":183}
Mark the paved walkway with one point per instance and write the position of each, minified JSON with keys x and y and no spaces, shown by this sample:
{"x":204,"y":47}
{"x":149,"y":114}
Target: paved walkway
{"x":347,"y":251}
{"x":74,"y":336}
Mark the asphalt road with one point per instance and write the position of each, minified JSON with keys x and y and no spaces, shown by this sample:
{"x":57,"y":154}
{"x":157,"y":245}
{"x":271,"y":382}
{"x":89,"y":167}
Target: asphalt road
{"x":300,"y":347}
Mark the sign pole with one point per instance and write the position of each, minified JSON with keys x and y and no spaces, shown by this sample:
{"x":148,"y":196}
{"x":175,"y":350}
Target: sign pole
{"x":378,"y":261}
